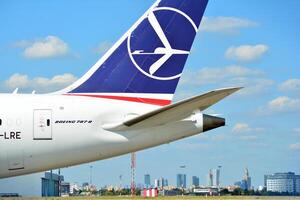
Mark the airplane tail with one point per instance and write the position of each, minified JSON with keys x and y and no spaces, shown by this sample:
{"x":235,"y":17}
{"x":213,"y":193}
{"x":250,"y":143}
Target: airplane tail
{"x":146,"y":63}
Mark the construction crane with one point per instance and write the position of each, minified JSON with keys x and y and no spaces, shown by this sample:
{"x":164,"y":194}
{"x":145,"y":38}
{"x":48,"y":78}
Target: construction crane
{"x":133,"y":167}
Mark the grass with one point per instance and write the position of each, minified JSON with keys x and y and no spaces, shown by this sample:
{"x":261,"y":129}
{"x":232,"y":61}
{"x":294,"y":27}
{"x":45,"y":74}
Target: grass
{"x":162,"y":198}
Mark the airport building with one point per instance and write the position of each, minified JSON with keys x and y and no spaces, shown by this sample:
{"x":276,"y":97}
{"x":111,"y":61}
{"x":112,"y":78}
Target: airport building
{"x":170,"y":192}
{"x":65,"y":189}
{"x":9,"y":195}
{"x":53,"y":185}
{"x":283,"y":182}
{"x":74,"y":188}
{"x":297,"y":183}
{"x":206,"y":191}
{"x":50,"y":184}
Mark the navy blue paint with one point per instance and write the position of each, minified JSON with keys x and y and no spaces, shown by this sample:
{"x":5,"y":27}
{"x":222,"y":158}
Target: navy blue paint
{"x":118,"y":74}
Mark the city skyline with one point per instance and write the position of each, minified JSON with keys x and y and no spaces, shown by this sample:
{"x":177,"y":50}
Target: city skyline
{"x":263,"y":129}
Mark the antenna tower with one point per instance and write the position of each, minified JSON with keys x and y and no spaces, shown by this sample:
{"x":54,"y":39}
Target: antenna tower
{"x":133,"y":167}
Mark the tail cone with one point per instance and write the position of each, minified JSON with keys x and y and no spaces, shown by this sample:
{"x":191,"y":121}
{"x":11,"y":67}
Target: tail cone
{"x":212,"y":122}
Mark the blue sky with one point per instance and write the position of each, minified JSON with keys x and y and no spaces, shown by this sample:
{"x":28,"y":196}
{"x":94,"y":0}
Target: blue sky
{"x":254,"y":44}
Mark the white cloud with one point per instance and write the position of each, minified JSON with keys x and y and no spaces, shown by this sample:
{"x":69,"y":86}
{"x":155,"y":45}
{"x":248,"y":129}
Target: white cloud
{"x":56,"y":81}
{"x":17,"y":81}
{"x":297,"y":130}
{"x":241,"y":127}
{"x":290,"y":85}
{"x":295,"y":146}
{"x":192,"y":146}
{"x":103,"y":47}
{"x":246,"y":53}
{"x":252,"y":80}
{"x":211,"y":75}
{"x":244,"y":127}
{"x":219,"y":137}
{"x":253,"y":86}
{"x":40,"y":84}
{"x":249,"y":137}
{"x":21,"y":44}
{"x":48,"y":47}
{"x":245,"y":132}
{"x":283,"y":104}
{"x":225,"y":24}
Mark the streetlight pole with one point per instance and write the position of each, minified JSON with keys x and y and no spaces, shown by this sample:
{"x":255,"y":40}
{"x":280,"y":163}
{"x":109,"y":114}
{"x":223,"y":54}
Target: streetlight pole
{"x":91,"y":176}
{"x":219,"y":168}
{"x":59,"y":183}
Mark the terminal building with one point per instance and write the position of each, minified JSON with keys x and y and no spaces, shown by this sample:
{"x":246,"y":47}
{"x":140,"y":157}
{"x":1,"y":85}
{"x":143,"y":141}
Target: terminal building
{"x":283,"y":183}
{"x":53,"y":185}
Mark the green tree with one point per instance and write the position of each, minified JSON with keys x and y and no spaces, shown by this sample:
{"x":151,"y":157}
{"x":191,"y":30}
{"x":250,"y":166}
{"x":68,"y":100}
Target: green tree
{"x":237,"y":191}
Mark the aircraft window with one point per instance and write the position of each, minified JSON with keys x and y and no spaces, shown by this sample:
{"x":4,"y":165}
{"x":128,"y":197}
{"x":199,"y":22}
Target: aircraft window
{"x":0,"y":122}
{"x":48,"y":122}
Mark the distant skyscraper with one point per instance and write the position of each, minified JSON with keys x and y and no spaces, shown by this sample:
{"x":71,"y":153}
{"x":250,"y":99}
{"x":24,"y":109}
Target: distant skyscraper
{"x":163,"y":182}
{"x":147,"y":181}
{"x":216,"y":176}
{"x":181,"y":180}
{"x":85,"y":184}
{"x":195,"y":181}
{"x":210,"y":182}
{"x":156,"y":183}
{"x":246,"y":182}
{"x":238,"y":184}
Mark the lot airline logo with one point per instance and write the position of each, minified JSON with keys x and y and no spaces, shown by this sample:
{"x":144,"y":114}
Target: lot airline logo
{"x":154,"y":46}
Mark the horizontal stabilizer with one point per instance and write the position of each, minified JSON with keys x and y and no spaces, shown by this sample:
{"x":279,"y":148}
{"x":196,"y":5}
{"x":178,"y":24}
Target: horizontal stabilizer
{"x":174,"y":112}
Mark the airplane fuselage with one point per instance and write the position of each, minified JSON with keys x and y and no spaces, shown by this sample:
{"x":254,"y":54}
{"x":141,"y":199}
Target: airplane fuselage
{"x":43,"y":132}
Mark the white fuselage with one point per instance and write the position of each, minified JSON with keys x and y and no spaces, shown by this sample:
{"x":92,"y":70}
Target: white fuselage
{"x":43,"y":132}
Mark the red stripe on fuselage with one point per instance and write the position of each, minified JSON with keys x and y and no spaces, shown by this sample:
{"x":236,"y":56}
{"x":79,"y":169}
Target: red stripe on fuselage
{"x":158,"y":102}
